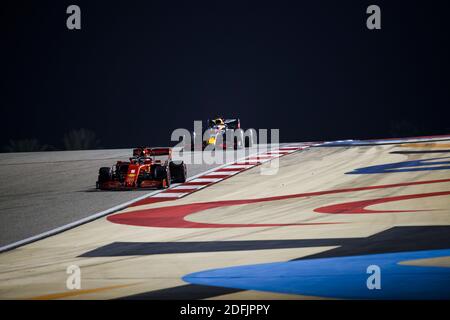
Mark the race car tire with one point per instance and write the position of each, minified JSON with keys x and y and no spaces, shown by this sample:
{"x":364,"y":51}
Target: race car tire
{"x":163,"y":173}
{"x":178,"y":172}
{"x":104,"y":174}
{"x":159,"y":172}
{"x":168,"y":178}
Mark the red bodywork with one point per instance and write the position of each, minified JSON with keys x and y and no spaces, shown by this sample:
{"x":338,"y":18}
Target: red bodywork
{"x":142,"y":171}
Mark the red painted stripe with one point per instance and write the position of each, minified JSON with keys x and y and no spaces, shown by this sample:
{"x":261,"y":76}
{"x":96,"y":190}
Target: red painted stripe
{"x":179,"y":190}
{"x":216,"y":176}
{"x":360,"y":206}
{"x":195,"y":183}
{"x":230,"y":169}
{"x":174,"y":216}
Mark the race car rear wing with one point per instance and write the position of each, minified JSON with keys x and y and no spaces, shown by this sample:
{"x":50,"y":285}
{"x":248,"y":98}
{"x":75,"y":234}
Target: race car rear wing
{"x":230,"y":123}
{"x":146,"y":151}
{"x":161,"y":151}
{"x":233,"y":123}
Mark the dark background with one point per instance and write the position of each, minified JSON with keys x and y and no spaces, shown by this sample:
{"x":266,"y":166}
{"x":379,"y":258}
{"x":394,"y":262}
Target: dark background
{"x":139,"y":69}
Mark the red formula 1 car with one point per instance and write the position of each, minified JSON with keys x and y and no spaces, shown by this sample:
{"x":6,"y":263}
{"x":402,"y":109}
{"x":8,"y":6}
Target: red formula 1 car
{"x":148,"y":168}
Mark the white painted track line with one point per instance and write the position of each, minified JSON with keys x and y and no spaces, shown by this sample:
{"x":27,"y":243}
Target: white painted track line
{"x":170,"y":194}
{"x":194,"y":187}
{"x":206,"y":180}
{"x":75,"y":223}
{"x":225,"y":173}
{"x":239,"y":166}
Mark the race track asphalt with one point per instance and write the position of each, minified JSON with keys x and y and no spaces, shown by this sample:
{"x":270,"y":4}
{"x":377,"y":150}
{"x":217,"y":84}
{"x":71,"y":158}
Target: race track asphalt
{"x":41,"y":191}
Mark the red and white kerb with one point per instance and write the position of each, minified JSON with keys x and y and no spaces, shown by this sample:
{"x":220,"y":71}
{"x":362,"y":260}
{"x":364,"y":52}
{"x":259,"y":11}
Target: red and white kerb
{"x":225,"y":172}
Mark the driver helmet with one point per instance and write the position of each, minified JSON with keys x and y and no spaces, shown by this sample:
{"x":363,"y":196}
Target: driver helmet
{"x":219,"y":122}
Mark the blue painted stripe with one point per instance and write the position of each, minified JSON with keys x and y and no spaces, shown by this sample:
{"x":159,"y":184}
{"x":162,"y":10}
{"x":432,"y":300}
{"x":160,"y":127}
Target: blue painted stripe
{"x":405,"y":166}
{"x":341,"y":277}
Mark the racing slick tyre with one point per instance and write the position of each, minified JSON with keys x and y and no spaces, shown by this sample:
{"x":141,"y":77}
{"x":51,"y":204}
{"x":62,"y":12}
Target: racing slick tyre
{"x":104,"y":174}
{"x":178,"y":172}
{"x":168,"y":179}
{"x":163,"y":173}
